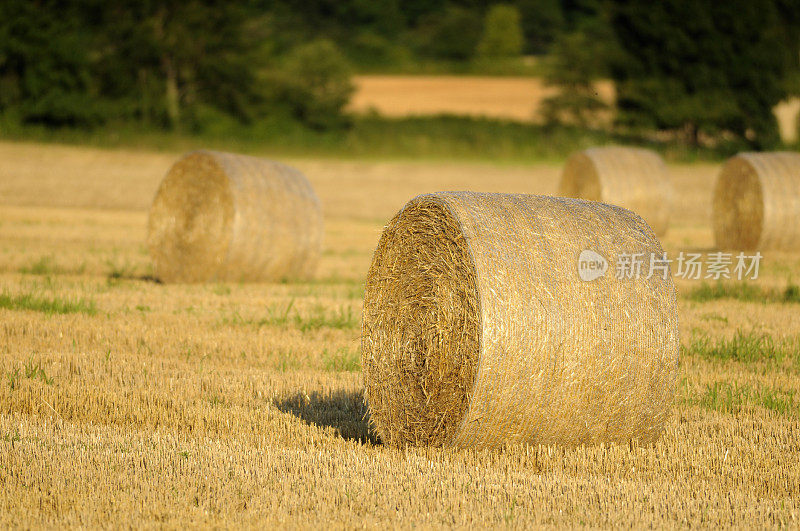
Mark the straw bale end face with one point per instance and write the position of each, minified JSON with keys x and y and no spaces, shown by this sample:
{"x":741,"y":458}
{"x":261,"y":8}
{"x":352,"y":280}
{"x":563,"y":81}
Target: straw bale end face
{"x":633,"y":178}
{"x":580,"y":178}
{"x":225,"y":217}
{"x":421,"y":326}
{"x":478,"y":330}
{"x":191,"y":220}
{"x":757,"y":202}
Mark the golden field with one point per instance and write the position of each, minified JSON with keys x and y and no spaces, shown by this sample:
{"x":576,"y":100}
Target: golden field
{"x":510,"y":98}
{"x":124,"y":402}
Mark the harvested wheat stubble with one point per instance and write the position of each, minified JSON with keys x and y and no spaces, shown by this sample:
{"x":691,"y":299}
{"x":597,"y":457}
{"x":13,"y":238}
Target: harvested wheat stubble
{"x":757,"y":202}
{"x":479,"y":332}
{"x":226,"y":217}
{"x":632,"y":178}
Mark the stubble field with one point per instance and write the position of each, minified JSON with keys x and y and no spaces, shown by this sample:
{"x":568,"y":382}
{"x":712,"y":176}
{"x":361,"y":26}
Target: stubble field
{"x":127,"y":402}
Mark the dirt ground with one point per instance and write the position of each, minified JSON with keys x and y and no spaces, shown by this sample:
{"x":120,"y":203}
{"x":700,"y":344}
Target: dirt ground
{"x":144,"y":404}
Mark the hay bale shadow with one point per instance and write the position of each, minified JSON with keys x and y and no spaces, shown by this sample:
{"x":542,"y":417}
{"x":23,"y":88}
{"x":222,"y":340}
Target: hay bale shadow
{"x":345,"y":411}
{"x":147,"y":278}
{"x":117,"y":276}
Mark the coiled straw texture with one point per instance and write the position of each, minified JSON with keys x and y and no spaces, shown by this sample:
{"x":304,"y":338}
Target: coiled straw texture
{"x":757,"y":202}
{"x":479,"y":332}
{"x":633,"y":178}
{"x":226,"y":217}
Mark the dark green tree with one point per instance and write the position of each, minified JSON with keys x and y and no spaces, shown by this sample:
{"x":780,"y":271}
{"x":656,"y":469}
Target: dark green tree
{"x":203,"y":53}
{"x":343,"y":22}
{"x":86,"y":61}
{"x":701,"y":67}
{"x":502,"y":33}
{"x":542,"y":23}
{"x":318,"y":84}
{"x":789,"y":16}
{"x":572,"y":69}
{"x":452,"y":34}
{"x":45,"y":68}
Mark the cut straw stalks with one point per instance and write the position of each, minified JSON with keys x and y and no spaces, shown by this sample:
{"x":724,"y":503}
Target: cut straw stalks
{"x":225,"y":217}
{"x":479,"y":332}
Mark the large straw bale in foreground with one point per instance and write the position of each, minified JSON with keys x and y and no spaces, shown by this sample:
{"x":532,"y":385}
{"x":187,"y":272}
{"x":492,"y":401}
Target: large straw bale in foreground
{"x":632,"y":178}
{"x":478,"y":330}
{"x":225,"y":217}
{"x":757,"y":202}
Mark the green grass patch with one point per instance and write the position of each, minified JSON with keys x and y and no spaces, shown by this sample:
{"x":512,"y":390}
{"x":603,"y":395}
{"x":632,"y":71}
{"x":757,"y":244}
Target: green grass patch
{"x":374,"y":137}
{"x":13,"y":437}
{"x":791,"y":294}
{"x":343,"y":318}
{"x":31,"y":370}
{"x":714,"y":317}
{"x":46,"y":265}
{"x":221,"y":289}
{"x":743,"y":291}
{"x":287,"y":360}
{"x":343,"y":360}
{"x":13,"y":379}
{"x":122,"y":271}
{"x":351,"y":291}
{"x":35,"y":371}
{"x":278,"y":315}
{"x":732,"y":398}
{"x":747,"y":347}
{"x":56,"y":305}
{"x":357,"y":292}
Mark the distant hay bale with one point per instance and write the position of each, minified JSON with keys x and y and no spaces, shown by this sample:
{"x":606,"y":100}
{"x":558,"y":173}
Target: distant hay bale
{"x":225,"y":217}
{"x":757,"y":202}
{"x":478,"y":330}
{"x":632,"y":178}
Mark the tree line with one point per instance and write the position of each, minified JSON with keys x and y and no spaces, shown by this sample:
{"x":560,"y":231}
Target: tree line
{"x":699,"y":68}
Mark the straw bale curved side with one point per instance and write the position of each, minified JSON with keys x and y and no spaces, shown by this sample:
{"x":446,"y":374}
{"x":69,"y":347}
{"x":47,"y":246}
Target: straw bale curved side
{"x":757,"y":202}
{"x":632,"y":178}
{"x":226,"y":217}
{"x":478,"y":330}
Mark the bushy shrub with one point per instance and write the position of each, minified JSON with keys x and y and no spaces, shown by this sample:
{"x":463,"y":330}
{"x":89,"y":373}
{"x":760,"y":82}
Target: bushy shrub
{"x":370,"y":50}
{"x":502,"y":34}
{"x":572,"y":69}
{"x":452,"y":34}
{"x":317,"y":84}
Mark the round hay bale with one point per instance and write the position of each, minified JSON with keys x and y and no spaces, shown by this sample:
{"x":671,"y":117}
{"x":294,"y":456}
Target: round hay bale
{"x":632,"y":178}
{"x":225,"y":217}
{"x":478,"y":330}
{"x":757,"y":202}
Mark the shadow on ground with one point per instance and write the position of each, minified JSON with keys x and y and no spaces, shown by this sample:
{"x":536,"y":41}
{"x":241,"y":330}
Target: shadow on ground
{"x":115,"y":277}
{"x":344,"y":411}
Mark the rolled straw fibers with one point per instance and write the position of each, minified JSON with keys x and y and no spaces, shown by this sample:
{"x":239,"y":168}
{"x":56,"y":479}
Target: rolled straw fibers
{"x":479,"y":332}
{"x":226,"y":217}
{"x":632,"y":178}
{"x":757,"y":202}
